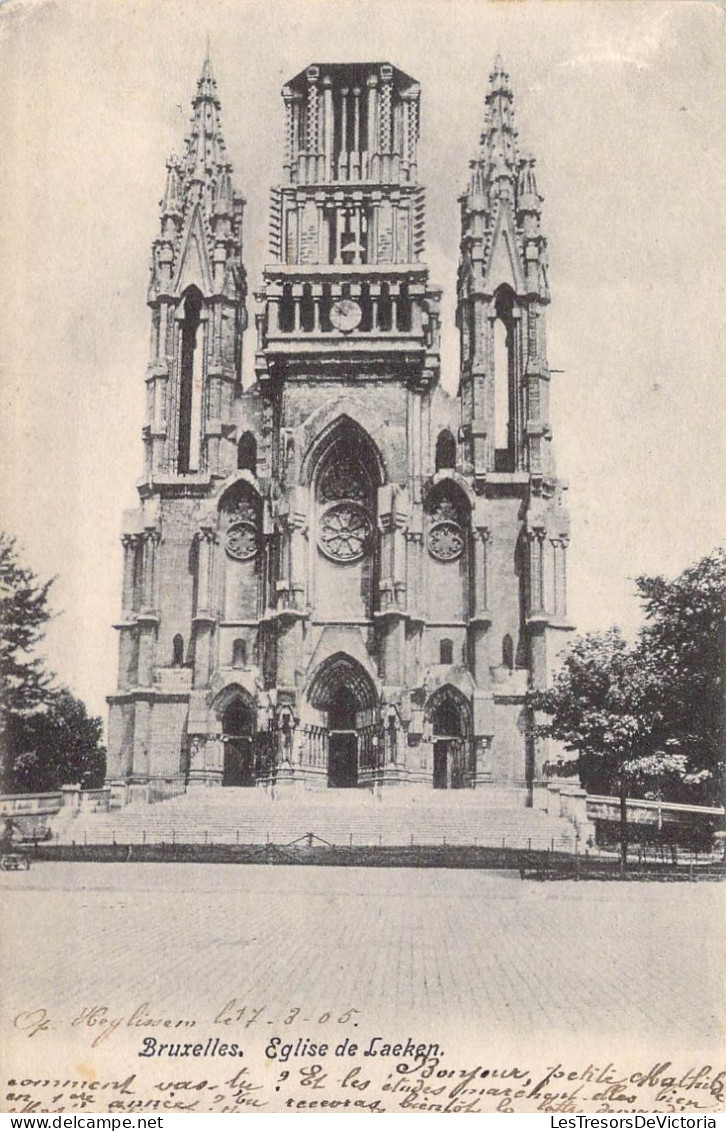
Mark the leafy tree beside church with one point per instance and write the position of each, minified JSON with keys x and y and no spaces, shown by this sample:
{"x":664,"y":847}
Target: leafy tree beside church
{"x":648,"y":720}
{"x":47,"y":738}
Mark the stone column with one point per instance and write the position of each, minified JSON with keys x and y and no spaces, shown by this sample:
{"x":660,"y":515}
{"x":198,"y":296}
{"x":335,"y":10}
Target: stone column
{"x":536,"y":538}
{"x":197,"y":760}
{"x":559,"y":550}
{"x":295,"y":145}
{"x":413,"y":137}
{"x":329,"y":124}
{"x":385,"y":114}
{"x":205,"y":612}
{"x":149,"y":542}
{"x":130,"y":544}
{"x":372,"y":145}
{"x":481,"y":619}
{"x":289,"y":127}
{"x":313,"y":122}
{"x":355,"y":160}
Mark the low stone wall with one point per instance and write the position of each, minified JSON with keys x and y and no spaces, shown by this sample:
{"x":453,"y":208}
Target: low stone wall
{"x":568,"y":799}
{"x":29,"y":804}
{"x":642,"y":812}
{"x":33,"y":813}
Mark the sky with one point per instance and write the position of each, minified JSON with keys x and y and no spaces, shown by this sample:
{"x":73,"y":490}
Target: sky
{"x":622,"y":103}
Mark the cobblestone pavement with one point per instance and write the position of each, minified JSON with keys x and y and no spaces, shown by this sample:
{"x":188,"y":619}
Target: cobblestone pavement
{"x":465,"y":947}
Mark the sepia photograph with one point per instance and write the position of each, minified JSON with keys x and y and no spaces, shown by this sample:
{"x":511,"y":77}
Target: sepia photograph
{"x":362,"y":567}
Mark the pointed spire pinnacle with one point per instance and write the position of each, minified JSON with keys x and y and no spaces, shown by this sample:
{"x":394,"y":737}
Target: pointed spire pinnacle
{"x":207,"y":87}
{"x":201,"y":215}
{"x":499,"y":79}
{"x":501,"y":208}
{"x":495,"y":168}
{"x":528,"y":198}
{"x":498,"y":140}
{"x":173,"y":200}
{"x":205,"y":149}
{"x":224,"y":203}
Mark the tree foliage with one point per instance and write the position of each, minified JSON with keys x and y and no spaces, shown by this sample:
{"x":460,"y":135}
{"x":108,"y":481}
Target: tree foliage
{"x":47,"y":738}
{"x":24,"y":613}
{"x":649,"y":718}
{"x":684,"y":644}
{"x":599,"y":706}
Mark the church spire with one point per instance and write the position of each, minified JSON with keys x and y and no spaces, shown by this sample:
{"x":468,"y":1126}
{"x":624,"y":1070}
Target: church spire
{"x":199,"y":199}
{"x":501,"y":200}
{"x":197,"y":292}
{"x":494,"y":170}
{"x":503,"y":290}
{"x":205,"y":150}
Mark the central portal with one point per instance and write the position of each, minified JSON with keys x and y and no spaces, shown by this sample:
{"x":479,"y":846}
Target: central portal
{"x":342,"y":740}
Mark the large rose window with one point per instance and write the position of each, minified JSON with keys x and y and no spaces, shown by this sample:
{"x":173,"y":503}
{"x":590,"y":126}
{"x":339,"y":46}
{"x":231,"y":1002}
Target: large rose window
{"x":344,"y":531}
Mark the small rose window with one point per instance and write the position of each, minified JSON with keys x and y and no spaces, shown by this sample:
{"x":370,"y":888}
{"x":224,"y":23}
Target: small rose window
{"x":242,"y":541}
{"x":446,"y":536}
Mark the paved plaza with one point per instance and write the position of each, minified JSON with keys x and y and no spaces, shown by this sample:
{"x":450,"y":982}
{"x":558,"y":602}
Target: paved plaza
{"x":463,"y":947}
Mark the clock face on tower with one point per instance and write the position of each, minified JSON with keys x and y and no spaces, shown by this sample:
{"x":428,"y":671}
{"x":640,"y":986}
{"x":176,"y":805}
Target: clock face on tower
{"x":345,"y":314}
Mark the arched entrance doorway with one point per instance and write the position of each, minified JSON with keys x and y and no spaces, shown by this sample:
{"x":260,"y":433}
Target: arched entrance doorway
{"x":342,"y":740}
{"x":343,"y":691}
{"x":449,"y":715}
{"x":237,"y":731}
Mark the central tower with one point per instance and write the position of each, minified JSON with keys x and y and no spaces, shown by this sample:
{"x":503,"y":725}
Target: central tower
{"x":348,"y":286}
{"x":348,"y":353}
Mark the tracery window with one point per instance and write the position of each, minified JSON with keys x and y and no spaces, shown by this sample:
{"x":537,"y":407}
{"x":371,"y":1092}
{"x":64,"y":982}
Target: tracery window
{"x":446,"y":537}
{"x":190,"y":383}
{"x":345,"y":524}
{"x":241,"y":539}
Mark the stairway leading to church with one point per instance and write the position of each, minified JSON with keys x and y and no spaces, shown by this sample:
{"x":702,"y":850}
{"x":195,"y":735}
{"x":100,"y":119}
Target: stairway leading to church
{"x":341,"y":817}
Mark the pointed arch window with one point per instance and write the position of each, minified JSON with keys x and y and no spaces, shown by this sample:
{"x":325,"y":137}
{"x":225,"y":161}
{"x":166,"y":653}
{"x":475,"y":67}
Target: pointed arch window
{"x":239,"y":654}
{"x":504,"y":380}
{"x":287,"y":310}
{"x":445,"y":451}
{"x":448,"y":523}
{"x":190,"y":383}
{"x":178,"y":651}
{"x":307,"y":309}
{"x":385,"y":308}
{"x":446,"y":651}
{"x":247,"y":453}
{"x":345,"y":495}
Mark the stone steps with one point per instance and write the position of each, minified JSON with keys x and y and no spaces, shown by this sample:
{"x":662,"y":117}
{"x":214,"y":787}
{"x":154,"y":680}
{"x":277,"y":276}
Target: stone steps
{"x":245,"y":817}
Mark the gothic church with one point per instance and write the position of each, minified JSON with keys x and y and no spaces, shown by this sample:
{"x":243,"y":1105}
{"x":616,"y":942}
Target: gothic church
{"x":339,"y":576}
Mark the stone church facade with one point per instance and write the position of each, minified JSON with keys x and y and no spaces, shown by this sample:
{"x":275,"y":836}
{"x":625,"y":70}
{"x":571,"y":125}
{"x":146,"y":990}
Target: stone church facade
{"x":339,"y":575}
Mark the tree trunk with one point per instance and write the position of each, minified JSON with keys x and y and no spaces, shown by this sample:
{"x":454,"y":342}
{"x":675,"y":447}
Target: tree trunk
{"x":623,"y":820}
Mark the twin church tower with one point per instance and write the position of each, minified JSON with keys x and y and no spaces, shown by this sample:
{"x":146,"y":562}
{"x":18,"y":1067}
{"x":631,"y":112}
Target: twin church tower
{"x":339,"y":575}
